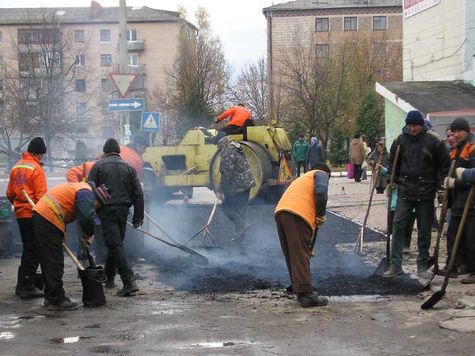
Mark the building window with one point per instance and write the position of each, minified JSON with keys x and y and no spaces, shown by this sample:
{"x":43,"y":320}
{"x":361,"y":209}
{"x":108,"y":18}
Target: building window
{"x":105,"y":107}
{"x":1,"y":37}
{"x":133,"y":60}
{"x":322,"y":50}
{"x":28,"y":61}
{"x":105,"y":35}
{"x":138,"y":83}
{"x":1,"y":61}
{"x":106,"y":59}
{"x":379,"y":49}
{"x":38,"y":36}
{"x":106,"y":84}
{"x":80,"y":60}
{"x":321,"y":24}
{"x":131,"y":35}
{"x":350,"y":23}
{"x":79,"y":36}
{"x":80,"y":109}
{"x":379,"y":23}
{"x":80,"y":85}
{"x":50,"y":59}
{"x":1,"y":84}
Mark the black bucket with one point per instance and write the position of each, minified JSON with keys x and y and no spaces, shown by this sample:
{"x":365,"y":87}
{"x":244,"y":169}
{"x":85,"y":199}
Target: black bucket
{"x":92,"y":290}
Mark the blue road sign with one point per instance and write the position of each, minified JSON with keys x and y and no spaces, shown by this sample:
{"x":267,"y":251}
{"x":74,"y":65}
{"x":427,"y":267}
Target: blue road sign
{"x":130,"y":104}
{"x":150,"y":121}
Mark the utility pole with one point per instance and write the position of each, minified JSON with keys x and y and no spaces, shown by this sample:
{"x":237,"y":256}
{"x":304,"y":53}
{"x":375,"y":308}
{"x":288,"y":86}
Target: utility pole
{"x":123,"y":65}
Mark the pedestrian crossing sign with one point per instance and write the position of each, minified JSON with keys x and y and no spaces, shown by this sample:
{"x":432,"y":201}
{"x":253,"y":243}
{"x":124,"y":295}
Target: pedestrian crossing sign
{"x":150,"y":121}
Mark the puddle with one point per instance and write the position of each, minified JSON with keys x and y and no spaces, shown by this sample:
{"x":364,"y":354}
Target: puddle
{"x":6,"y":335}
{"x":167,"y":312}
{"x":69,"y":340}
{"x":14,"y":321}
{"x":216,"y":345}
{"x":358,"y":298}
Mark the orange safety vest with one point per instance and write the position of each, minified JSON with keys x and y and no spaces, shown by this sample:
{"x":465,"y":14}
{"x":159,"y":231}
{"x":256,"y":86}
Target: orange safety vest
{"x":27,"y":174}
{"x":131,"y":156}
{"x":467,"y":152}
{"x":299,"y":199}
{"x":58,"y":204}
{"x":79,"y":173}
{"x":239,"y":115}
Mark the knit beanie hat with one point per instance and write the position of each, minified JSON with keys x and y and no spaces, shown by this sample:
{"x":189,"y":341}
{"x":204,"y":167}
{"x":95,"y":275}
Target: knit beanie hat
{"x":101,"y":193}
{"x":460,"y":124}
{"x":111,"y":145}
{"x":37,"y":145}
{"x":415,"y":117}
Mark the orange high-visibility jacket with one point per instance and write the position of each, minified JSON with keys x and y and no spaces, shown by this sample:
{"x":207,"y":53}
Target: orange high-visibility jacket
{"x":239,"y":114}
{"x":131,"y":156}
{"x":299,"y":199}
{"x":58,"y":204}
{"x":79,"y":173}
{"x":27,"y":174}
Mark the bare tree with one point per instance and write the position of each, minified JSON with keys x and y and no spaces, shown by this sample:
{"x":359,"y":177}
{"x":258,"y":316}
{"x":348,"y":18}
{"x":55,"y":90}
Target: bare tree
{"x":252,"y":89}
{"x":199,"y":77}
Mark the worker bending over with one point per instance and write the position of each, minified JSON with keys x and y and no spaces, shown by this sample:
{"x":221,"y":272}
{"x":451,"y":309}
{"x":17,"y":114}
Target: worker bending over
{"x":240,"y":119}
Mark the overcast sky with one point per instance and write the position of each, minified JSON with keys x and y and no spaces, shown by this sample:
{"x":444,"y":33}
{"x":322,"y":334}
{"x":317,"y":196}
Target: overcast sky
{"x":240,"y":25}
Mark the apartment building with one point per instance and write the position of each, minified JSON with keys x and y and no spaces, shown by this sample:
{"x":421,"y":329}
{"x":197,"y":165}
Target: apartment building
{"x":83,"y":44}
{"x":439,"y":40}
{"x":333,"y":23}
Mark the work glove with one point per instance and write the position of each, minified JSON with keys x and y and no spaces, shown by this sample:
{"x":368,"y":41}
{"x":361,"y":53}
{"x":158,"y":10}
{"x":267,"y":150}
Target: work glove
{"x":319,"y":220}
{"x":459,"y":172}
{"x":390,"y":189}
{"x":440,"y":196}
{"x":137,"y":223}
{"x":449,"y":182}
{"x":87,"y":241}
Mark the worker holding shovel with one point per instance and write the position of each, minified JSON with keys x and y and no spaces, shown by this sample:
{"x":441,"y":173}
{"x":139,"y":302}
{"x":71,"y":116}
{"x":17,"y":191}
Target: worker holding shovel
{"x":299,"y":213}
{"x":60,"y":206}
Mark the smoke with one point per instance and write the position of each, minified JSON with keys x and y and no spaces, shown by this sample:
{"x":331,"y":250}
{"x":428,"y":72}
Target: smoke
{"x":257,"y":262}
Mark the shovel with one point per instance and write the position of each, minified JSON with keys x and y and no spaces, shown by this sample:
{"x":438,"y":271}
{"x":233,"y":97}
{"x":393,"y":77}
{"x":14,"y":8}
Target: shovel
{"x":443,"y":213}
{"x":359,"y":241}
{"x":383,"y":265}
{"x":312,"y":244}
{"x":199,"y":259}
{"x":66,"y":248}
{"x":437,"y":296}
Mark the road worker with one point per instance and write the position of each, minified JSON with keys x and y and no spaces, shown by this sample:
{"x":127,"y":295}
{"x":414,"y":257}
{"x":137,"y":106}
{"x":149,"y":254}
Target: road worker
{"x":126,"y":191}
{"x":58,"y":207}
{"x":301,"y":211}
{"x":27,"y":174}
{"x":240,"y":119}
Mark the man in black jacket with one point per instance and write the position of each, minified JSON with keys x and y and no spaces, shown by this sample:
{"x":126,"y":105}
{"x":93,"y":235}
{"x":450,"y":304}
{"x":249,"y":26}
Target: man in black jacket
{"x":125,"y":191}
{"x":422,"y":166}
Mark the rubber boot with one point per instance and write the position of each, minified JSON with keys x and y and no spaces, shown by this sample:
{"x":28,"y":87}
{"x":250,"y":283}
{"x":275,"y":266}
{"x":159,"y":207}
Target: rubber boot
{"x":130,"y":288}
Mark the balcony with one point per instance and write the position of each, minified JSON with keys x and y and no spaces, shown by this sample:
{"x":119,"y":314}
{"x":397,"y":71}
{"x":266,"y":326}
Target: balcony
{"x":136,"y":46}
{"x":138,"y":69}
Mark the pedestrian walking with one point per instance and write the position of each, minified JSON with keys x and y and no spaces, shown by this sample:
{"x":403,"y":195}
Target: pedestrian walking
{"x":464,"y":155}
{"x":423,"y":162}
{"x":126,"y":191}
{"x":379,"y":159}
{"x":28,"y":175}
{"x":357,"y":155}
{"x":60,"y":206}
{"x":314,"y":154}
{"x":236,"y":183}
{"x":299,"y":154}
{"x":301,"y":211}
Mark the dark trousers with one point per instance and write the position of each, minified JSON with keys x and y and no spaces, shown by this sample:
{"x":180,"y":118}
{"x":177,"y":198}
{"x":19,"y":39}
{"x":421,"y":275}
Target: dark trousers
{"x":30,"y":257}
{"x":402,"y":219}
{"x":50,"y":243}
{"x":466,"y":249}
{"x":409,"y":227}
{"x":357,"y":172}
{"x":113,"y":230}
{"x":295,"y":237}
{"x":301,"y":164}
{"x":235,"y":206}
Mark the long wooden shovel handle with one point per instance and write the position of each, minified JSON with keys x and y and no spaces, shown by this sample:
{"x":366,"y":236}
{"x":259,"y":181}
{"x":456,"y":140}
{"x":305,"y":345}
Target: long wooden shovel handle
{"x":154,"y":222}
{"x":66,"y":248}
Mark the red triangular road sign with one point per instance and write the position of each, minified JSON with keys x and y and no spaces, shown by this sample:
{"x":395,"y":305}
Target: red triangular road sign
{"x":122,"y":82}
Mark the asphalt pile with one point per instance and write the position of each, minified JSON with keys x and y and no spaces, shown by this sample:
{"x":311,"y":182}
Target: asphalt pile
{"x":257,"y":262}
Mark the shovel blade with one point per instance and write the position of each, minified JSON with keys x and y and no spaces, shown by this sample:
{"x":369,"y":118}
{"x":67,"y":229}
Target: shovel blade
{"x":382,"y":267}
{"x":433,"y":300}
